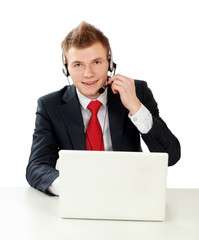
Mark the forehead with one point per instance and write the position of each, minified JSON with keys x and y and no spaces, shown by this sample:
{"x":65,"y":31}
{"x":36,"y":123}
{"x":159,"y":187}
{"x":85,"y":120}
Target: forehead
{"x":96,"y":50}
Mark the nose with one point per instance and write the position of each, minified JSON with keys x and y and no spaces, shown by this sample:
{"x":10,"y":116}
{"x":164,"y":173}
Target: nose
{"x":88,"y":73}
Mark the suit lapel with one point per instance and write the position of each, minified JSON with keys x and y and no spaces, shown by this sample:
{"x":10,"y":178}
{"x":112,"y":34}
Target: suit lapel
{"x":72,"y":117}
{"x":117,"y":114}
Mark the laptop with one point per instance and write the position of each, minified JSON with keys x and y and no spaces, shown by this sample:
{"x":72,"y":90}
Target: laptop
{"x":112,"y":185}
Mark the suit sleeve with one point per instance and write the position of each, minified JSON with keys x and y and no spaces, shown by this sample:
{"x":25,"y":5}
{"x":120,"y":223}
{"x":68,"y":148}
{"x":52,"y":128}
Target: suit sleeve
{"x":159,"y":138}
{"x":41,"y":172}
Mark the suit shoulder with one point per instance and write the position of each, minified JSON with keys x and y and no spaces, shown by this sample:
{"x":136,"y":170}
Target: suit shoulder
{"x":140,"y":83}
{"x":140,"y":87}
{"x":54,"y":97}
{"x":54,"y":94}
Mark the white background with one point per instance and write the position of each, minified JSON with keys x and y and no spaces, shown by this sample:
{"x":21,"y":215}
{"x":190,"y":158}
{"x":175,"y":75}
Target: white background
{"x":157,"y":41}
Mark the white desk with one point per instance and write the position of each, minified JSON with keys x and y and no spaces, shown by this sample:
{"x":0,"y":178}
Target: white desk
{"x":29,"y":214}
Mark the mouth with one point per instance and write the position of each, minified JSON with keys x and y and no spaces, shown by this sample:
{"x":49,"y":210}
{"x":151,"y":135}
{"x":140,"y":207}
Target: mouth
{"x":89,"y":83}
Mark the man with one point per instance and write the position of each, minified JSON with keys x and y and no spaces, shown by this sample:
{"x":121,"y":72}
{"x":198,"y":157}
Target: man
{"x":127,"y":111}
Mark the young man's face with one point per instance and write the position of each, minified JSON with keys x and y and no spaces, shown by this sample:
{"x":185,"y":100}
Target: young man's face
{"x":88,"y":68}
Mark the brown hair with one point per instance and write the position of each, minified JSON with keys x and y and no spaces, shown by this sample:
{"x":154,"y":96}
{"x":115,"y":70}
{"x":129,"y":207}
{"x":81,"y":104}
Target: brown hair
{"x":84,"y":36}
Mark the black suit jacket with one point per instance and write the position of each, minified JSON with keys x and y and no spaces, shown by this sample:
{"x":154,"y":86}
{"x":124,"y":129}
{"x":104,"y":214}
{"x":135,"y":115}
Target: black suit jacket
{"x":59,"y":125}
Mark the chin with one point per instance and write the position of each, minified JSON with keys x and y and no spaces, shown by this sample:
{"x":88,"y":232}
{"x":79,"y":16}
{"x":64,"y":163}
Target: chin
{"x":93,"y":95}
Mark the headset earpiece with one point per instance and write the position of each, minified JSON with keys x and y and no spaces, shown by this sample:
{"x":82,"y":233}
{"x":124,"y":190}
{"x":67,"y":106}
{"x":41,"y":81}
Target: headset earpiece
{"x":65,"y":67}
{"x":112,"y":65}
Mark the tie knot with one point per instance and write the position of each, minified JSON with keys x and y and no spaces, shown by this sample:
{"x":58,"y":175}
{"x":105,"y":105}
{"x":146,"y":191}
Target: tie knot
{"x":94,"y":106}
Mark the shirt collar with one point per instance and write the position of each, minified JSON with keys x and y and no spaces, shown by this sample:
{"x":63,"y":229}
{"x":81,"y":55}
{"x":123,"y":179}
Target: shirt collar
{"x":84,"y":101}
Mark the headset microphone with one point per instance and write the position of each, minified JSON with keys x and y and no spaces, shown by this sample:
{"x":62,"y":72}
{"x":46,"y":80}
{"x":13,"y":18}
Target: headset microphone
{"x":101,"y":90}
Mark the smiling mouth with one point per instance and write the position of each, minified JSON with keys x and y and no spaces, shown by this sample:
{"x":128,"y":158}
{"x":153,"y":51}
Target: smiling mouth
{"x":90,"y":83}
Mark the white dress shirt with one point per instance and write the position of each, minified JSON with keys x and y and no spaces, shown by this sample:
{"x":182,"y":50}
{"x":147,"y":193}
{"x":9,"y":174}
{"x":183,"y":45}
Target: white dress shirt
{"x":142,"y":119}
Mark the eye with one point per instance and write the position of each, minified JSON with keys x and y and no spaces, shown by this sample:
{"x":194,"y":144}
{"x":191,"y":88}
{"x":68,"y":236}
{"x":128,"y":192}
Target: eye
{"x":97,"y":62}
{"x":77,"y":65}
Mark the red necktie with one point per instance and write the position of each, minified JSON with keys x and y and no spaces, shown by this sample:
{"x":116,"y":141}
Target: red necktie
{"x":94,"y":137}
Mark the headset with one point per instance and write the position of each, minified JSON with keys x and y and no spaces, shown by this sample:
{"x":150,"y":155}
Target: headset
{"x":111,"y":69}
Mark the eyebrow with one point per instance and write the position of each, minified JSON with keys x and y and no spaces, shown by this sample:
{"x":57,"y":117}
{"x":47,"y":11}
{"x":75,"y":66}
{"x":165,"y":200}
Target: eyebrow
{"x":99,"y":58}
{"x":75,"y":62}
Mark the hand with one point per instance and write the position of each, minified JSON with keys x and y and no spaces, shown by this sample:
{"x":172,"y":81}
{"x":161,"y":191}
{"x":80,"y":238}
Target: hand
{"x":126,"y":88}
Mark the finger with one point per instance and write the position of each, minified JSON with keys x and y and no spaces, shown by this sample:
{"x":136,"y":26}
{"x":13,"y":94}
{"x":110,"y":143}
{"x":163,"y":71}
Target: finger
{"x":119,"y":82}
{"x":120,"y":78}
{"x":112,"y":79}
{"x":119,"y":86}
